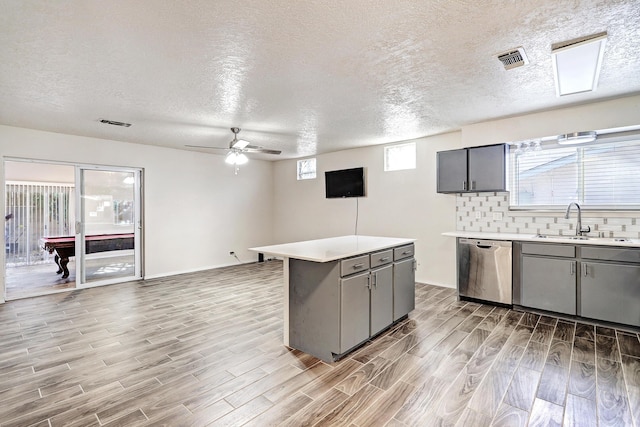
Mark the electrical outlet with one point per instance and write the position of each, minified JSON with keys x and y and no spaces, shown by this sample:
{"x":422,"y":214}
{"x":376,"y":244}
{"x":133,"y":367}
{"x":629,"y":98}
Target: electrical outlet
{"x":497,"y":216}
{"x":478,"y":215}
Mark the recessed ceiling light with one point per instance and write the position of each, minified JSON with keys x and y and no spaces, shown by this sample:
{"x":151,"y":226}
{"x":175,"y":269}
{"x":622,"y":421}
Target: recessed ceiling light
{"x":576,"y":63}
{"x":115,"y":123}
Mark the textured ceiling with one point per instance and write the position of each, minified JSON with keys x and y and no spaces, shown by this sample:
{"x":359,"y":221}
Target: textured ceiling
{"x":306,"y":77}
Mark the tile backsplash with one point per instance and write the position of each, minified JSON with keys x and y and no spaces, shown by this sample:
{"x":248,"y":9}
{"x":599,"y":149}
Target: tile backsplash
{"x":490,"y":212}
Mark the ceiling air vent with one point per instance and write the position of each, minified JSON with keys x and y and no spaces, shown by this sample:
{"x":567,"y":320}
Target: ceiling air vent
{"x":114,"y":123}
{"x":513,"y":58}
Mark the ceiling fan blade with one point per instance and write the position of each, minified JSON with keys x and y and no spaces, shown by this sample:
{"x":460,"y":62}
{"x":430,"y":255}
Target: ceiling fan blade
{"x":254,"y":149}
{"x":205,"y":146}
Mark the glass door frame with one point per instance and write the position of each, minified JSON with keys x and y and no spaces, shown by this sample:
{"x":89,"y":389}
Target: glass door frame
{"x":80,"y":226}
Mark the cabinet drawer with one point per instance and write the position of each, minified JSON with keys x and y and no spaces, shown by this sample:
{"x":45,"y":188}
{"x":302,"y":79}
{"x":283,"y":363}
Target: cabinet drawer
{"x":611,"y":254}
{"x":568,"y":251}
{"x":403,"y":252}
{"x":381,"y":258}
{"x":354,"y":265}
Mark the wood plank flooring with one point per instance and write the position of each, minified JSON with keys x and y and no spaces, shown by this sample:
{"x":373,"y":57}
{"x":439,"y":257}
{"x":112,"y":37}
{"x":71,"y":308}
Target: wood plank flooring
{"x":205,"y":349}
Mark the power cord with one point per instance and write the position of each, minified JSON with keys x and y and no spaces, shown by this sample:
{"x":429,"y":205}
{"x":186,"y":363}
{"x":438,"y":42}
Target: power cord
{"x":357,"y":211}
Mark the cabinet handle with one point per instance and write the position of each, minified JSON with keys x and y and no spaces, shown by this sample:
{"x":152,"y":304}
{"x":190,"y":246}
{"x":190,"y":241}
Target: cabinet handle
{"x":357,"y":266}
{"x":406,"y":252}
{"x":573,"y":269}
{"x":464,"y":185}
{"x":586,"y":269}
{"x":384,"y":259}
{"x":375,"y":280}
{"x":473,"y":185}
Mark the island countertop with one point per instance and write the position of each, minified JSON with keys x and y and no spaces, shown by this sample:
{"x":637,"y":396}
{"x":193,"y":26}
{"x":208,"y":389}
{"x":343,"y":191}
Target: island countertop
{"x":333,"y":248}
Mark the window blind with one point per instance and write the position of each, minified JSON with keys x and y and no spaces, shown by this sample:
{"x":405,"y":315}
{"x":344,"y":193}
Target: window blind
{"x":600,"y":175}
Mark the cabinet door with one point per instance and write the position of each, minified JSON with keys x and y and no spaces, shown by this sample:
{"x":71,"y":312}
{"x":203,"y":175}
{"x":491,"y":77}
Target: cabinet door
{"x":452,"y":171}
{"x":487,"y":168}
{"x":610,"y":292}
{"x":548,"y":284}
{"x":354,"y":311}
{"x":381,"y":298}
{"x":404,"y":288}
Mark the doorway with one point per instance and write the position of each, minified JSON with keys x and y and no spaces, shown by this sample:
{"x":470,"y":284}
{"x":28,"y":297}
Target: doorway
{"x":70,"y":226}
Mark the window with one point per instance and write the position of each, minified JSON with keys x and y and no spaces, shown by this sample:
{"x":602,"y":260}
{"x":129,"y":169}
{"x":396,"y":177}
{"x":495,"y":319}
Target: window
{"x":400,"y":156}
{"x":600,"y":175}
{"x":307,"y":169}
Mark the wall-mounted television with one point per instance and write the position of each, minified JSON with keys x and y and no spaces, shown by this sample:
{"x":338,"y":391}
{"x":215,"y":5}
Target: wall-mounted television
{"x":344,"y":183}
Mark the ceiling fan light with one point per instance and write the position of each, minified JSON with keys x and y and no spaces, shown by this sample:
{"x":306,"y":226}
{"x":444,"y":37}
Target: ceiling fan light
{"x":577,"y":138}
{"x":231,"y":158}
{"x":241,"y":159}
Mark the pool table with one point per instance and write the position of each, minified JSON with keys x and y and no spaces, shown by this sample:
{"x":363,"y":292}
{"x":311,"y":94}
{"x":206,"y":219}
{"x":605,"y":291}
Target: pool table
{"x":65,"y":247}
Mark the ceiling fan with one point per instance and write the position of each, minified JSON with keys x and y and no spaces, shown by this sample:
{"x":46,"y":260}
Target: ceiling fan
{"x":237,"y":148}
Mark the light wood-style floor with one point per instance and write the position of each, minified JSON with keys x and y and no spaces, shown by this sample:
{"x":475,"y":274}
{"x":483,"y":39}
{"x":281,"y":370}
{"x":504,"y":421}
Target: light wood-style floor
{"x":205,"y":349}
{"x":41,"y":279}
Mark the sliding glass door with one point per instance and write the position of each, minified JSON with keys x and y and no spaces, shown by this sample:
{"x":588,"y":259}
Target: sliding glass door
{"x":108,"y":225}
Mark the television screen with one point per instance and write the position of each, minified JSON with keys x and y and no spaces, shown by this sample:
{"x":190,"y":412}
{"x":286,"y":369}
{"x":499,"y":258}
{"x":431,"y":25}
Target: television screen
{"x":344,"y":183}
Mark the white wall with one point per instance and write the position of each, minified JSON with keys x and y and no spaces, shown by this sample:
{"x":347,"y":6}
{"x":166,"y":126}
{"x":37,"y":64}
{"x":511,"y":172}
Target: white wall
{"x":196,"y":209}
{"x":397,"y":204}
{"x":595,"y":116}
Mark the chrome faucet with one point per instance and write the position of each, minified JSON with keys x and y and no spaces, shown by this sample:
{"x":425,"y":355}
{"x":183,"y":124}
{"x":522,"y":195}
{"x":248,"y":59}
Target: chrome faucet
{"x":580,"y":230}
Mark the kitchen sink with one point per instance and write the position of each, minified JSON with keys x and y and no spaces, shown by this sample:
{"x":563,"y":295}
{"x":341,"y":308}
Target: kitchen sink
{"x":544,"y":236}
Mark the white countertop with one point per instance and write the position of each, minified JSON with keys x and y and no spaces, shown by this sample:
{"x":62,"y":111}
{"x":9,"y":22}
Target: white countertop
{"x":333,"y":248}
{"x":535,"y":238}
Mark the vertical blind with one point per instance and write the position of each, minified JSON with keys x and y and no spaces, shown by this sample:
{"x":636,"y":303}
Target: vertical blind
{"x":37,"y":210}
{"x":600,"y":175}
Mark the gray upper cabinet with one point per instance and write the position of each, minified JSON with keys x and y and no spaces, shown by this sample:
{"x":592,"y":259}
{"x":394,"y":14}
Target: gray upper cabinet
{"x":452,"y":171}
{"x":472,"y":169}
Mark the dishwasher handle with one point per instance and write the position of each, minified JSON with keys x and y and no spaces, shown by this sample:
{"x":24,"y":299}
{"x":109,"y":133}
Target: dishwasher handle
{"x":484,"y":246}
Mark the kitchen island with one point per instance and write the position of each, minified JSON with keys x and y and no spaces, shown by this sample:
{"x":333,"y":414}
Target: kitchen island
{"x":341,"y":291}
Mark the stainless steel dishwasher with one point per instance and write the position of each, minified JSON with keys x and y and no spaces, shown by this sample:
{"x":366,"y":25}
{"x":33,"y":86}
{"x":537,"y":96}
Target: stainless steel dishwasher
{"x":484,"y":270}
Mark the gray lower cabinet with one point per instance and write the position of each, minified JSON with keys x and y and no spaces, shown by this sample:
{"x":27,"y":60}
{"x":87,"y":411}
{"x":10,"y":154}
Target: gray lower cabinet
{"x":335,"y":306}
{"x":595,"y":282}
{"x":548,"y":284}
{"x":404,"y":289}
{"x":354,"y":310}
{"x":381,"y":298}
{"x":611,"y":292}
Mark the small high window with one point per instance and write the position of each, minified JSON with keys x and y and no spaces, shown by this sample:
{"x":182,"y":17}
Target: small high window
{"x":400,"y":156}
{"x":307,"y":169}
